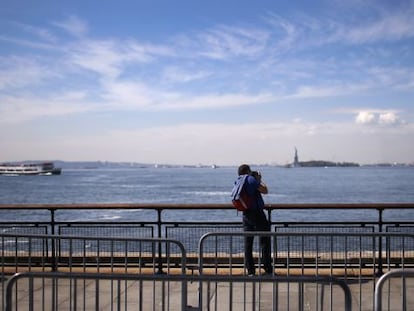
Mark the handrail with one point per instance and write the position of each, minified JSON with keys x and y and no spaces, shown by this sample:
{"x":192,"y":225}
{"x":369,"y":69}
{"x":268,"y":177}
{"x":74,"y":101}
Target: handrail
{"x":159,"y":223}
{"x":175,"y":206}
{"x":160,"y":207}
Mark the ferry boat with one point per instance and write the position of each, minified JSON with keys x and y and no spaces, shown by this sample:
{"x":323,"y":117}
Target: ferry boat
{"x":44,"y":168}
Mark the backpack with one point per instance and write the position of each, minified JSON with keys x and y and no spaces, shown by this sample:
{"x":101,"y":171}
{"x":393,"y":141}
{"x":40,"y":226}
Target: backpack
{"x":242,"y":203}
{"x":240,"y":198}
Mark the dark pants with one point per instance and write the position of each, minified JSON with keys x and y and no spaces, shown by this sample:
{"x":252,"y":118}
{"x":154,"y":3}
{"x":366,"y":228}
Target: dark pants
{"x":254,"y":220}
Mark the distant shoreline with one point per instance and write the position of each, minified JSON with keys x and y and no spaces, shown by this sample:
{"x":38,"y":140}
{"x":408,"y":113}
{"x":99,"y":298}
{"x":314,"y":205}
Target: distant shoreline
{"x":91,"y":165}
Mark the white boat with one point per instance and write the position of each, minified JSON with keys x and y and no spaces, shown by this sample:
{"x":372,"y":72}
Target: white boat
{"x":43,"y":168}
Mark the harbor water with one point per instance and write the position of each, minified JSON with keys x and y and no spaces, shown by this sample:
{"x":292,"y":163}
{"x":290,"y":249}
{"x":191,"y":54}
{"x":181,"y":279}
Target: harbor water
{"x":208,"y":185}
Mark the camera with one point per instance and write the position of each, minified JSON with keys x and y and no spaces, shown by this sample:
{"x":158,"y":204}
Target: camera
{"x":256,"y":174}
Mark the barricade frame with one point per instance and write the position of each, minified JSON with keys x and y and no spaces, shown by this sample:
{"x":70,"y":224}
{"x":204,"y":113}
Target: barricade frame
{"x":52,"y":251}
{"x":165,"y":278}
{"x":398,"y":273}
{"x":359,"y":273}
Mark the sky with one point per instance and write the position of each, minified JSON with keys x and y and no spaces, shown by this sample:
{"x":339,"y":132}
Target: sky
{"x":207,"y":82}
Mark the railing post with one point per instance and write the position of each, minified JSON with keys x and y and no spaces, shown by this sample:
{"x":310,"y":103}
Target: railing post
{"x":269,"y":214}
{"x":380,"y":224}
{"x":52,"y":231}
{"x":159,"y":225}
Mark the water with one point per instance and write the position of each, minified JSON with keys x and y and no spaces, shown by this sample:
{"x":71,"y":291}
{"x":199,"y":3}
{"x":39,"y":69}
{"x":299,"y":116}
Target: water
{"x":205,"y":185}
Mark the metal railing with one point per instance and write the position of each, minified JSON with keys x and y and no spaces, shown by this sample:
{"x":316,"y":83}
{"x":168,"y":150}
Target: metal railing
{"x":157,"y":223}
{"x":358,"y":252}
{"x":86,"y":291}
{"x":351,"y":253}
{"x":73,"y":254}
{"x":399,"y":285}
{"x":52,"y":252}
{"x":351,"y":256}
{"x":354,"y":257}
{"x":52,"y":219}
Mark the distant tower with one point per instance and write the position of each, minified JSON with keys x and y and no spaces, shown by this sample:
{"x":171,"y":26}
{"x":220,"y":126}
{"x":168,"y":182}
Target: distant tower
{"x":296,"y":159}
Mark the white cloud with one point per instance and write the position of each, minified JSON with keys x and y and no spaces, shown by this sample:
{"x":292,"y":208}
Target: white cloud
{"x":303,"y":31}
{"x":127,"y":95}
{"x":119,"y":67}
{"x":269,"y":142}
{"x":390,"y":26}
{"x":288,"y":34}
{"x":112,"y":58}
{"x":242,"y":67}
{"x":101,"y":57}
{"x":378,"y":117}
{"x":208,"y":101}
{"x":365,"y":117}
{"x":317,"y":91}
{"x":17,"y":72}
{"x":42,"y":33}
{"x":17,"y":110}
{"x":224,"y":42}
{"x":388,"y":118}
{"x":31,"y":44}
{"x":73,"y":25}
{"x":329,"y":89}
{"x":175,"y":74}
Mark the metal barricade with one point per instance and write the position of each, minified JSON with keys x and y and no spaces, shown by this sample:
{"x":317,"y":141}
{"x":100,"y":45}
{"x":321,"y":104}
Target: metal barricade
{"x":85,"y":291}
{"x":399,"y":285}
{"x":74,"y":254}
{"x":350,"y":254}
{"x":358,"y":258}
{"x":52,"y":252}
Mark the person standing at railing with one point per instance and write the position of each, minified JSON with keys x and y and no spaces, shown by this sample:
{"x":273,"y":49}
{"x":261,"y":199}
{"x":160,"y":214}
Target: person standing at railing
{"x":254,"y":219}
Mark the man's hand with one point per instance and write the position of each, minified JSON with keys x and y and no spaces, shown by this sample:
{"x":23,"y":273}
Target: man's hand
{"x":263,"y":188}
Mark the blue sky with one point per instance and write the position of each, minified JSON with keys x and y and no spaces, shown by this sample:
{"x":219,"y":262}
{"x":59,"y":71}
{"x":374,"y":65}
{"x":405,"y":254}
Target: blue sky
{"x":224,"y":82}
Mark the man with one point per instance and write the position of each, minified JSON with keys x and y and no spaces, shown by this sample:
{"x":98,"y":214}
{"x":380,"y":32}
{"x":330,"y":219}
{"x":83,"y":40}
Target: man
{"x":254,"y":219}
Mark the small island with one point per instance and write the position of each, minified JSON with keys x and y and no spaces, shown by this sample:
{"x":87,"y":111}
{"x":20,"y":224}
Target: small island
{"x":319,"y":163}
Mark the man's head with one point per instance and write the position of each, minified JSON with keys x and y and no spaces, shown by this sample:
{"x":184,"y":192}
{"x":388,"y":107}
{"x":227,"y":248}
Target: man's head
{"x":244,"y":169}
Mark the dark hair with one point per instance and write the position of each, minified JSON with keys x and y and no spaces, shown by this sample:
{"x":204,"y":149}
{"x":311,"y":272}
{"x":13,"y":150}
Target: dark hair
{"x":244,"y":169}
